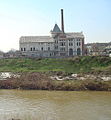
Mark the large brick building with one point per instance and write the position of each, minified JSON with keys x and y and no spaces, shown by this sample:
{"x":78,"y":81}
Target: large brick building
{"x":58,"y":44}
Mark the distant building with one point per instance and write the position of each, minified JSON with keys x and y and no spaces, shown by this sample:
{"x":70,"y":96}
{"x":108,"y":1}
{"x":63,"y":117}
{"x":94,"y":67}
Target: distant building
{"x":12,"y":54}
{"x":59,"y":44}
{"x":107,"y":50}
{"x":98,"y":49}
{"x":1,"y":54}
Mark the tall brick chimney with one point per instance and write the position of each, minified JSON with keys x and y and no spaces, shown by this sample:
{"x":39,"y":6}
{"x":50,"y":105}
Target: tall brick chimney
{"x":62,"y":21}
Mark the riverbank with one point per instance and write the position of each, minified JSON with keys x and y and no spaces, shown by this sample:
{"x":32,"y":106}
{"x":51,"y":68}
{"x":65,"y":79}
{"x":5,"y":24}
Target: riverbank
{"x":83,"y":64}
{"x":73,"y":74}
{"x":40,"y":81}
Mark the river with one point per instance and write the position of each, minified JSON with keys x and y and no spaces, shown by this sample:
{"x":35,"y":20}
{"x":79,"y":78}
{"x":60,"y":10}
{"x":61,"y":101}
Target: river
{"x":54,"y":105}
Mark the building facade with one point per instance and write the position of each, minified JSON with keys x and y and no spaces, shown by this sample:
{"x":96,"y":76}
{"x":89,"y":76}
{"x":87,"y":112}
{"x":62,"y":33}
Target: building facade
{"x":58,"y":44}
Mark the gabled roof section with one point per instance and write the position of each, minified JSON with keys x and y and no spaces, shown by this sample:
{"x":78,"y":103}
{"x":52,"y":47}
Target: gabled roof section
{"x":75,"y":35}
{"x":35,"y":39}
{"x":56,"y":29}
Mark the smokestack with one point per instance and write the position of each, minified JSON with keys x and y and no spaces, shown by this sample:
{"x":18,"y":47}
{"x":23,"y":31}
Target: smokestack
{"x":62,"y":21}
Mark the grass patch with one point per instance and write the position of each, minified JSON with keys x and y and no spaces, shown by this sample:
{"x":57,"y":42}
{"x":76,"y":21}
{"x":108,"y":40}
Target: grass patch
{"x":69,"y":65}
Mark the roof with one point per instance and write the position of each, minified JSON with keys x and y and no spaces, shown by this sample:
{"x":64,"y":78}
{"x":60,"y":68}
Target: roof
{"x":30,"y":39}
{"x":74,"y":35}
{"x":25,"y":39}
{"x":56,"y":29}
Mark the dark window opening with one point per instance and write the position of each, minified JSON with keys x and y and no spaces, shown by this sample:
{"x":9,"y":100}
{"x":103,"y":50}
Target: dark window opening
{"x":78,"y":51}
{"x":62,"y":49}
{"x":21,"y":49}
{"x":71,"y":52}
{"x":30,"y":49}
{"x":33,"y":48}
{"x":77,"y":44}
{"x":62,"y":43}
{"x":70,"y":44}
{"x":42,"y":48}
{"x":48,"y":48}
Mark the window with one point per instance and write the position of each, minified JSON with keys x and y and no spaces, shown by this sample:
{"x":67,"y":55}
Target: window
{"x":56,"y":41}
{"x":33,"y":48}
{"x":62,"y":54}
{"x":62,"y":49}
{"x":48,"y":48}
{"x":56,"y":47}
{"x":62,"y":44}
{"x":24,"y":49}
{"x":42,"y":48}
{"x":78,"y":51}
{"x":70,"y":44}
{"x":78,"y":43}
{"x":21,"y":49}
{"x":70,"y":52}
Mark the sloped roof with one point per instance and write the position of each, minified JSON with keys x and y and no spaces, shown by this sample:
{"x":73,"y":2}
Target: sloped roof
{"x":74,"y":35}
{"x":28,"y":39}
{"x":56,"y":29}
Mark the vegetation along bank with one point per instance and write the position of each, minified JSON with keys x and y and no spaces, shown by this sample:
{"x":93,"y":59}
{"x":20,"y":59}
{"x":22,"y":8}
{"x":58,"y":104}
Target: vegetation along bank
{"x":78,"y":73}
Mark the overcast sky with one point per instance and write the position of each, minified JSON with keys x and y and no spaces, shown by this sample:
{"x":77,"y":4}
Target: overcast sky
{"x":37,"y":17}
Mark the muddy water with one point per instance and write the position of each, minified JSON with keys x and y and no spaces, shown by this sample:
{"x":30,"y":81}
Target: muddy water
{"x":54,"y":105}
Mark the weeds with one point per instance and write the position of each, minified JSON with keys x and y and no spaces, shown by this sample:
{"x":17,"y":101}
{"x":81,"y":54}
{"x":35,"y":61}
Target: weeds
{"x":39,"y":81}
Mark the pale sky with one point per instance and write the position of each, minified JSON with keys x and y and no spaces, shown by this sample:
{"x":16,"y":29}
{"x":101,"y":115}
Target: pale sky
{"x":37,"y":17}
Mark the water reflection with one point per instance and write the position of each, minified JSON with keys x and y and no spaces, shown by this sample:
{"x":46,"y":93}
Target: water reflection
{"x":54,"y":105}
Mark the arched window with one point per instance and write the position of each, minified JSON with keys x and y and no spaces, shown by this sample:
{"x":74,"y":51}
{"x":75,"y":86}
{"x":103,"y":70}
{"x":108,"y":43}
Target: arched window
{"x":78,"y":51}
{"x":70,"y":52}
